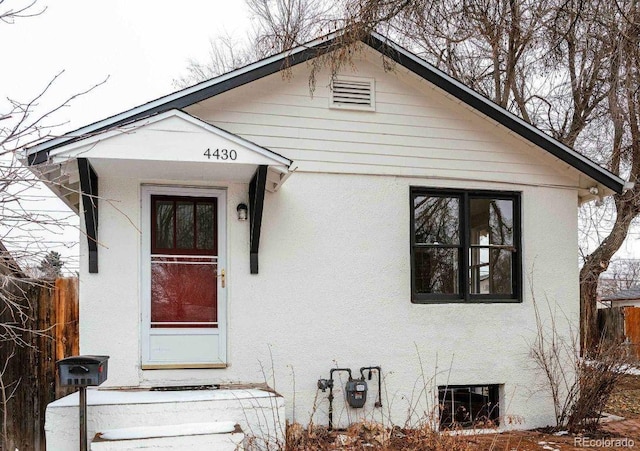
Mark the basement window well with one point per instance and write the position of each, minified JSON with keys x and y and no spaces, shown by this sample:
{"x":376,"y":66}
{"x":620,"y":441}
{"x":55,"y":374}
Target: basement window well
{"x":469,"y":406}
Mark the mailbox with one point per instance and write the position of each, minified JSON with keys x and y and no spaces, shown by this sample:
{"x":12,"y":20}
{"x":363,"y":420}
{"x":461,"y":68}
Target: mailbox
{"x":82,"y":370}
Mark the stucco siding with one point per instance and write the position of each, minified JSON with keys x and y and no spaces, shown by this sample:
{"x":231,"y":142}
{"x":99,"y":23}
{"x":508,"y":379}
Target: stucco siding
{"x":109,"y":306}
{"x":334,"y":290}
{"x":416,"y":130}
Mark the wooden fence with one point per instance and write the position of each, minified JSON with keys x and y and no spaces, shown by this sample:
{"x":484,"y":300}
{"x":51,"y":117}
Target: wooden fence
{"x":632,"y":329}
{"x":621,"y":325}
{"x":53,"y":322}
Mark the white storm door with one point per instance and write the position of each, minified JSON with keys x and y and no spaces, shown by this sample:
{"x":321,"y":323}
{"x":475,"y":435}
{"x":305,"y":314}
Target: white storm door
{"x":184,"y":286}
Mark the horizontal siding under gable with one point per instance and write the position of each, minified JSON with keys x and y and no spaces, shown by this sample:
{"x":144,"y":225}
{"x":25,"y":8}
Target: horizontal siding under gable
{"x":416,"y":130}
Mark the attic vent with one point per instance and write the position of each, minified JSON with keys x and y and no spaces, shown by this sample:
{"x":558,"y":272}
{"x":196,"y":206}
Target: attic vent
{"x":353,"y":93}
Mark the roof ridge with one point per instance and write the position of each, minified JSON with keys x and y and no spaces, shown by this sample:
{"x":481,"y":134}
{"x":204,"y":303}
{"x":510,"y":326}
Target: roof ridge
{"x":267,"y":66}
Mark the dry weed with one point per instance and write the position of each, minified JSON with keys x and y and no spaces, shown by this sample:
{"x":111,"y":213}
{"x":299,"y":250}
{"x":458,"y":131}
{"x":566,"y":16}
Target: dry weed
{"x":373,"y":436}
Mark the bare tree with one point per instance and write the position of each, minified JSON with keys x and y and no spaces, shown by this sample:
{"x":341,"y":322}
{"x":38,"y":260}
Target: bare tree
{"x":226,"y":53}
{"x":621,"y":115}
{"x":622,"y":274}
{"x":283,"y":24}
{"x":23,"y":219}
{"x":278,"y":25}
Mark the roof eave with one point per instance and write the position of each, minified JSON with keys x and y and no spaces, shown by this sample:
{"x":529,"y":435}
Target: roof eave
{"x":494,"y":111}
{"x":188,"y":96}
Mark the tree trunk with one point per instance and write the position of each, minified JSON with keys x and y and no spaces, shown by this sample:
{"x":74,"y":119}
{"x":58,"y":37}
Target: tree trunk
{"x":596,"y":263}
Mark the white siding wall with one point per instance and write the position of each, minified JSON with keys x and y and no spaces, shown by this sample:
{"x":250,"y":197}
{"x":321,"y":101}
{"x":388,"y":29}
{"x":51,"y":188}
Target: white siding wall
{"x":334,"y":289}
{"x":416,"y":130}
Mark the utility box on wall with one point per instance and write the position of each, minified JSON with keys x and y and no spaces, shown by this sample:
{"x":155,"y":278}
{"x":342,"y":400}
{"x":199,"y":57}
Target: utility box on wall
{"x":356,"y":393}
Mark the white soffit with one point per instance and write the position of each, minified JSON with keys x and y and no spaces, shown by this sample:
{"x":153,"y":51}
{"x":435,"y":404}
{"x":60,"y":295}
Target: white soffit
{"x":172,"y":136}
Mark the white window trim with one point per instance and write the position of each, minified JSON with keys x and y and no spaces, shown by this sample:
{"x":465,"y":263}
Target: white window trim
{"x":146,"y":191}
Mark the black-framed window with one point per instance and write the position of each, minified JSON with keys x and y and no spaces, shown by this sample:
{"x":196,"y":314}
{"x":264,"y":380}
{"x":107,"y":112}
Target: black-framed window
{"x":465,"y":246}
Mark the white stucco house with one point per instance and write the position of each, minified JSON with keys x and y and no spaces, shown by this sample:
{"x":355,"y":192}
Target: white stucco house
{"x":396,"y":219}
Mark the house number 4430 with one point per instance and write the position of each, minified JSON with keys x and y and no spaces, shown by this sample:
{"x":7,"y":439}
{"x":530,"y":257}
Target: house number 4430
{"x":221,"y":154}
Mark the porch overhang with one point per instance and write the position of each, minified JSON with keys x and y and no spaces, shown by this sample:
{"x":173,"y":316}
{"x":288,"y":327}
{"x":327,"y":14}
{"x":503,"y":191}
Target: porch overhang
{"x":172,"y":147}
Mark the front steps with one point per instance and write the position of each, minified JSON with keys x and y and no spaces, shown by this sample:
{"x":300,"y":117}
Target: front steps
{"x":259,"y":413}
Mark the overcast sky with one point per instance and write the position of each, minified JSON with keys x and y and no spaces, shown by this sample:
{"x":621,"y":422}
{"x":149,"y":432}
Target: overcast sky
{"x":139,"y":45}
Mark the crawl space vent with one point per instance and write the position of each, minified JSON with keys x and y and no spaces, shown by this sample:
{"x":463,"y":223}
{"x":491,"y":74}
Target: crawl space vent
{"x":353,"y":93}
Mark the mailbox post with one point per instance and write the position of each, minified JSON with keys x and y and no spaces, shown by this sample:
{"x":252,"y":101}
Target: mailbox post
{"x":82,"y":371}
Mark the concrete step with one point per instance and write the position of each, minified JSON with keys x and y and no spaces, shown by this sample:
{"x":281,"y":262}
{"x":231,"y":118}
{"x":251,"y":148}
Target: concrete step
{"x":259,"y":413}
{"x":220,"y":435}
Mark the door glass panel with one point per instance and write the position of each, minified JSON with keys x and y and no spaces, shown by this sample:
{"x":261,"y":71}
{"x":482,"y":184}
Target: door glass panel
{"x":184,"y":263}
{"x":184,"y":225}
{"x":164,"y":224}
{"x":183,"y":292}
{"x":204,"y":223}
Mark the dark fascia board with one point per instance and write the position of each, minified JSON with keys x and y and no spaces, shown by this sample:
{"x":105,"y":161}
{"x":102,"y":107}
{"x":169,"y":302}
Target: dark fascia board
{"x":477,"y":101}
{"x":189,"y":96}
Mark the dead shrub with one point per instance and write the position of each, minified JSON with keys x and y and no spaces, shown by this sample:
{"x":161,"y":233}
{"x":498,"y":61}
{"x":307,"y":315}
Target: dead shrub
{"x":370,"y":432}
{"x":425,"y":438}
{"x":579,"y":387}
{"x":310,"y":438}
{"x":374,"y":436}
{"x":596,"y":379}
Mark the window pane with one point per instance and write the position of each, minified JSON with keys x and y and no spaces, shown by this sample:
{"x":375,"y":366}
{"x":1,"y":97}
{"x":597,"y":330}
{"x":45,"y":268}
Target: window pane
{"x":184,"y":225}
{"x":164,"y":224}
{"x":205,"y":228}
{"x":436,"y":270}
{"x":437,"y":219}
{"x":183,"y":290}
{"x":490,"y":271}
{"x":491,"y":221}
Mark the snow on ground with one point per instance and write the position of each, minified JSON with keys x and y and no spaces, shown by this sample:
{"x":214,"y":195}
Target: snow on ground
{"x":115,"y":396}
{"x":633,"y":371}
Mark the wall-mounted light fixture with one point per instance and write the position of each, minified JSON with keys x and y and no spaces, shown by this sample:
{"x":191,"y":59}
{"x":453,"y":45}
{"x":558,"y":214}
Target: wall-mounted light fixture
{"x":242,"y":212}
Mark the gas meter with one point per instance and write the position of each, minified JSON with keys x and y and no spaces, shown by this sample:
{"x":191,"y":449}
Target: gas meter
{"x":356,"y":392}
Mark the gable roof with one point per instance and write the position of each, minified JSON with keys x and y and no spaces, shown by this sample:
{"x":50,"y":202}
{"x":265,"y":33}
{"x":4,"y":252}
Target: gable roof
{"x":194,"y":94}
{"x":8,"y":264}
{"x":140,"y":124}
{"x":631,"y":294}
